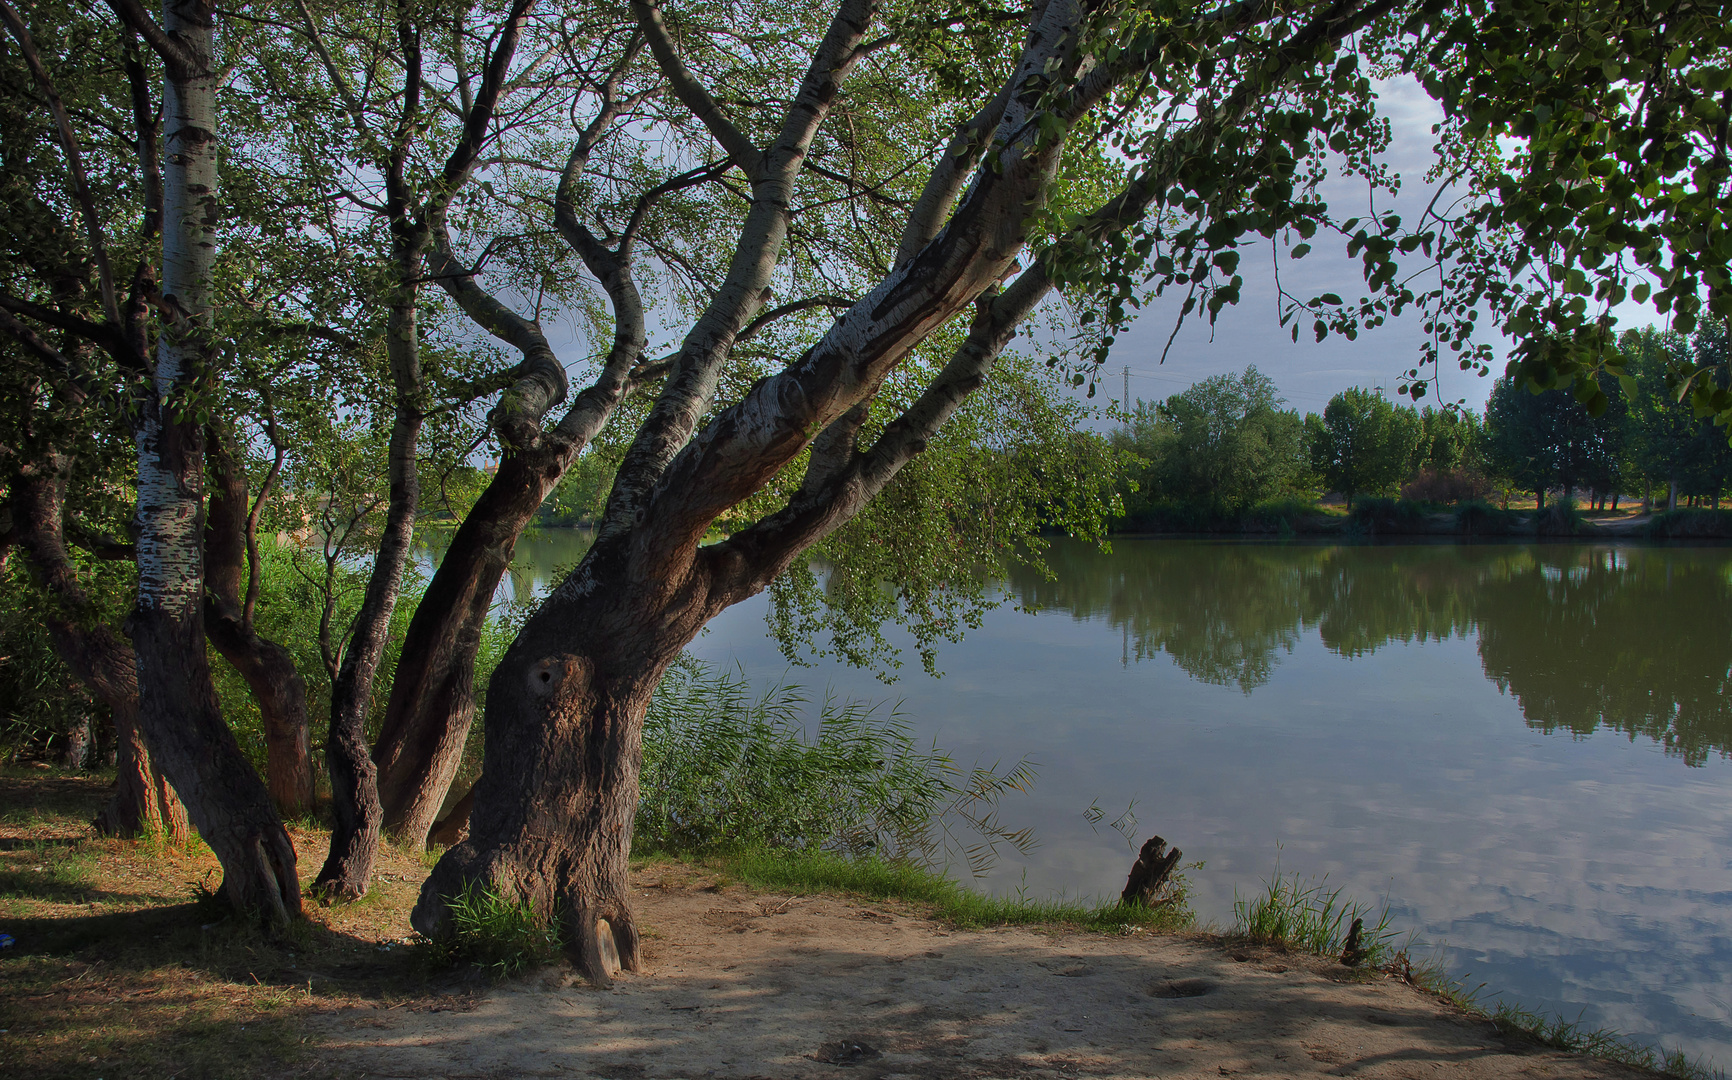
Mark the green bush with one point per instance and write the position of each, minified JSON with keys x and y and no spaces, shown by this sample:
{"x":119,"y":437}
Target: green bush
{"x":726,"y":771}
{"x":1481,"y":518}
{"x":1691,"y":524}
{"x":503,"y":936}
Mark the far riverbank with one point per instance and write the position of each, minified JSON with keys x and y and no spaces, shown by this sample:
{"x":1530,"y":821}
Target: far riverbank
{"x":1401,"y":518}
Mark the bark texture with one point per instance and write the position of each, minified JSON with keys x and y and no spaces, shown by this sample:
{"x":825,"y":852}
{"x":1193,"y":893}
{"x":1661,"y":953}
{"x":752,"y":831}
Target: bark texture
{"x":231,"y":568}
{"x":178,"y":710}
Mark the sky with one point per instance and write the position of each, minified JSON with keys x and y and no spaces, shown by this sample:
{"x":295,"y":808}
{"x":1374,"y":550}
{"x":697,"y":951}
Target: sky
{"x":1309,"y":373}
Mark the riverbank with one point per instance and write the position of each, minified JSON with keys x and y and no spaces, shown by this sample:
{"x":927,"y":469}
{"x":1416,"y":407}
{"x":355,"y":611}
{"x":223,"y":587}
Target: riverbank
{"x":124,"y":966}
{"x":1373,"y":518}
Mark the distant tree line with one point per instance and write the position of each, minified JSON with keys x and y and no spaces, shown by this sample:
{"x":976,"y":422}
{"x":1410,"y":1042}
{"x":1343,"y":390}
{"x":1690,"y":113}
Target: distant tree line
{"x":1229,"y":442}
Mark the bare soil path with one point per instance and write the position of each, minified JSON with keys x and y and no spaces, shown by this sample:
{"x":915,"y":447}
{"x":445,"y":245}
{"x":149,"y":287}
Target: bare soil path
{"x":744,"y":984}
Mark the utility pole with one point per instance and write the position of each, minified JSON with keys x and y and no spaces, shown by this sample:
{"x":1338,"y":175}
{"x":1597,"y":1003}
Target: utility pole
{"x":1126,"y":403}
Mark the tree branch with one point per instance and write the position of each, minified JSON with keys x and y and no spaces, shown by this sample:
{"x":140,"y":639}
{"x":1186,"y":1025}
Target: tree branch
{"x":74,"y":160}
{"x":692,"y":93}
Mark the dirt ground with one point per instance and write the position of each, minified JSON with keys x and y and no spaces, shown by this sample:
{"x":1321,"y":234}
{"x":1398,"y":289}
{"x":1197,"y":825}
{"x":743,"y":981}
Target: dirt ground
{"x":747,"y":984}
{"x":121,"y":968}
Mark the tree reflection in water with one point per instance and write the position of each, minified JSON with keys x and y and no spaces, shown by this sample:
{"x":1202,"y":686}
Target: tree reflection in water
{"x":1637,"y":639}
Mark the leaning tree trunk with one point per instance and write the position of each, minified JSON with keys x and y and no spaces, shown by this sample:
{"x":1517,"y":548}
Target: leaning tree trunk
{"x":354,"y":778}
{"x":432,"y":701}
{"x":143,"y":801}
{"x":268,"y":668}
{"x":557,"y":797}
{"x":178,"y":710}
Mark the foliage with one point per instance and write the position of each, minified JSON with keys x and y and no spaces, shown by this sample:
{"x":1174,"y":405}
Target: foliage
{"x":1010,"y":465}
{"x":1307,"y":915}
{"x":1225,"y":443}
{"x":504,"y":937}
{"x":1542,"y":440}
{"x":1363,"y":443}
{"x":1446,"y":486}
{"x":722,"y":771}
{"x":1691,"y":525}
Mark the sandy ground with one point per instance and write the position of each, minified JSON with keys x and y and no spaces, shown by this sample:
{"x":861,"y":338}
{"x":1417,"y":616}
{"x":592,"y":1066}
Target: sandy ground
{"x":746,"y":984}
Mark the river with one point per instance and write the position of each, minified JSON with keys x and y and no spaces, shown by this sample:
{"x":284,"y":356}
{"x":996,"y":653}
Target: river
{"x":1521,"y":748}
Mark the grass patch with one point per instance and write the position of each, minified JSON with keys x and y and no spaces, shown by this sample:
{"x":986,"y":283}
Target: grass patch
{"x":121,"y":970}
{"x":1307,"y":916}
{"x":880,"y":879}
{"x":500,"y":936}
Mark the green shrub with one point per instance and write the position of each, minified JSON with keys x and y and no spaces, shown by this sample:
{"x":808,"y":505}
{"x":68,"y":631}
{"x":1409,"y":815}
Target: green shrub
{"x":505,"y":937}
{"x":1480,"y":518}
{"x":1561,"y":518}
{"x":1691,"y":524}
{"x":724,"y":771}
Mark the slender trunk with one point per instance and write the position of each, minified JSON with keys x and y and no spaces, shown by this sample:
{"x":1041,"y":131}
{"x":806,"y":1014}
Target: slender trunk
{"x":1671,"y":494}
{"x":178,"y":712}
{"x":354,"y":777}
{"x":268,"y":668}
{"x":432,"y":700}
{"x":1539,"y":498}
{"x":143,"y":801}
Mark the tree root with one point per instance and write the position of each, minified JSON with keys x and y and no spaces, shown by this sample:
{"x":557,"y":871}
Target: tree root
{"x":601,"y":941}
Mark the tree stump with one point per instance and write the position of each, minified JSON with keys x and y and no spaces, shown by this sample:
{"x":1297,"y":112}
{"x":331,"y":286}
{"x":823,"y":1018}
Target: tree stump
{"x":1153,"y":866}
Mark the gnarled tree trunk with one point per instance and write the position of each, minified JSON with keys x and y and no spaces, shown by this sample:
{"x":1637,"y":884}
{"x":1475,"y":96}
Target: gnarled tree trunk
{"x":432,"y":699}
{"x":231,"y":571}
{"x":554,"y":807}
{"x":354,"y":778}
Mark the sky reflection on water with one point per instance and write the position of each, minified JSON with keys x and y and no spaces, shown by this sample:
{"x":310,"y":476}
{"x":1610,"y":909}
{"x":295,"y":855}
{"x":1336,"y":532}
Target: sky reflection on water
{"x":1523,"y":747}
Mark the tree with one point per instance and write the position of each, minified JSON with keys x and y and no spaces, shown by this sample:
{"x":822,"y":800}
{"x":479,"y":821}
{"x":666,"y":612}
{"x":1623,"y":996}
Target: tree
{"x":1544,"y":441}
{"x":1363,"y":443}
{"x":565,"y":704}
{"x":1108,"y":153}
{"x":1226,"y":442}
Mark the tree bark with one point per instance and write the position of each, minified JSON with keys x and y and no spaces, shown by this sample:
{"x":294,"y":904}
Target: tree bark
{"x":432,"y":701}
{"x":143,"y":802}
{"x":268,"y":668}
{"x":178,"y":711}
{"x":357,"y":814}
{"x":554,"y":808}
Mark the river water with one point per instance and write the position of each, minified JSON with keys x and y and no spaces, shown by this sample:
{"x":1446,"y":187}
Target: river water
{"x":1522,"y":748}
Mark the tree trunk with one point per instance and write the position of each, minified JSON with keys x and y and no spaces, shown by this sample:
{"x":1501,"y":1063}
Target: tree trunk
{"x":354,"y":778}
{"x":1539,"y":498}
{"x":432,"y":700}
{"x":143,"y":801}
{"x":178,"y":710}
{"x":268,"y":668}
{"x":1671,"y":495}
{"x":553,"y":811}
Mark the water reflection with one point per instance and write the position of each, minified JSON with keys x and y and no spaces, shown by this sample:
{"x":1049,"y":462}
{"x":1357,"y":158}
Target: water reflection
{"x":1581,"y":636}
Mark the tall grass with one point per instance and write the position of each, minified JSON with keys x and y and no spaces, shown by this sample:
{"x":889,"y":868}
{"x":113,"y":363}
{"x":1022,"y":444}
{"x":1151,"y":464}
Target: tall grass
{"x":1307,"y":915}
{"x":726,"y":770}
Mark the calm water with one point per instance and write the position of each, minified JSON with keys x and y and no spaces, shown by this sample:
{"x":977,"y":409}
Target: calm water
{"x":1522,"y":747}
